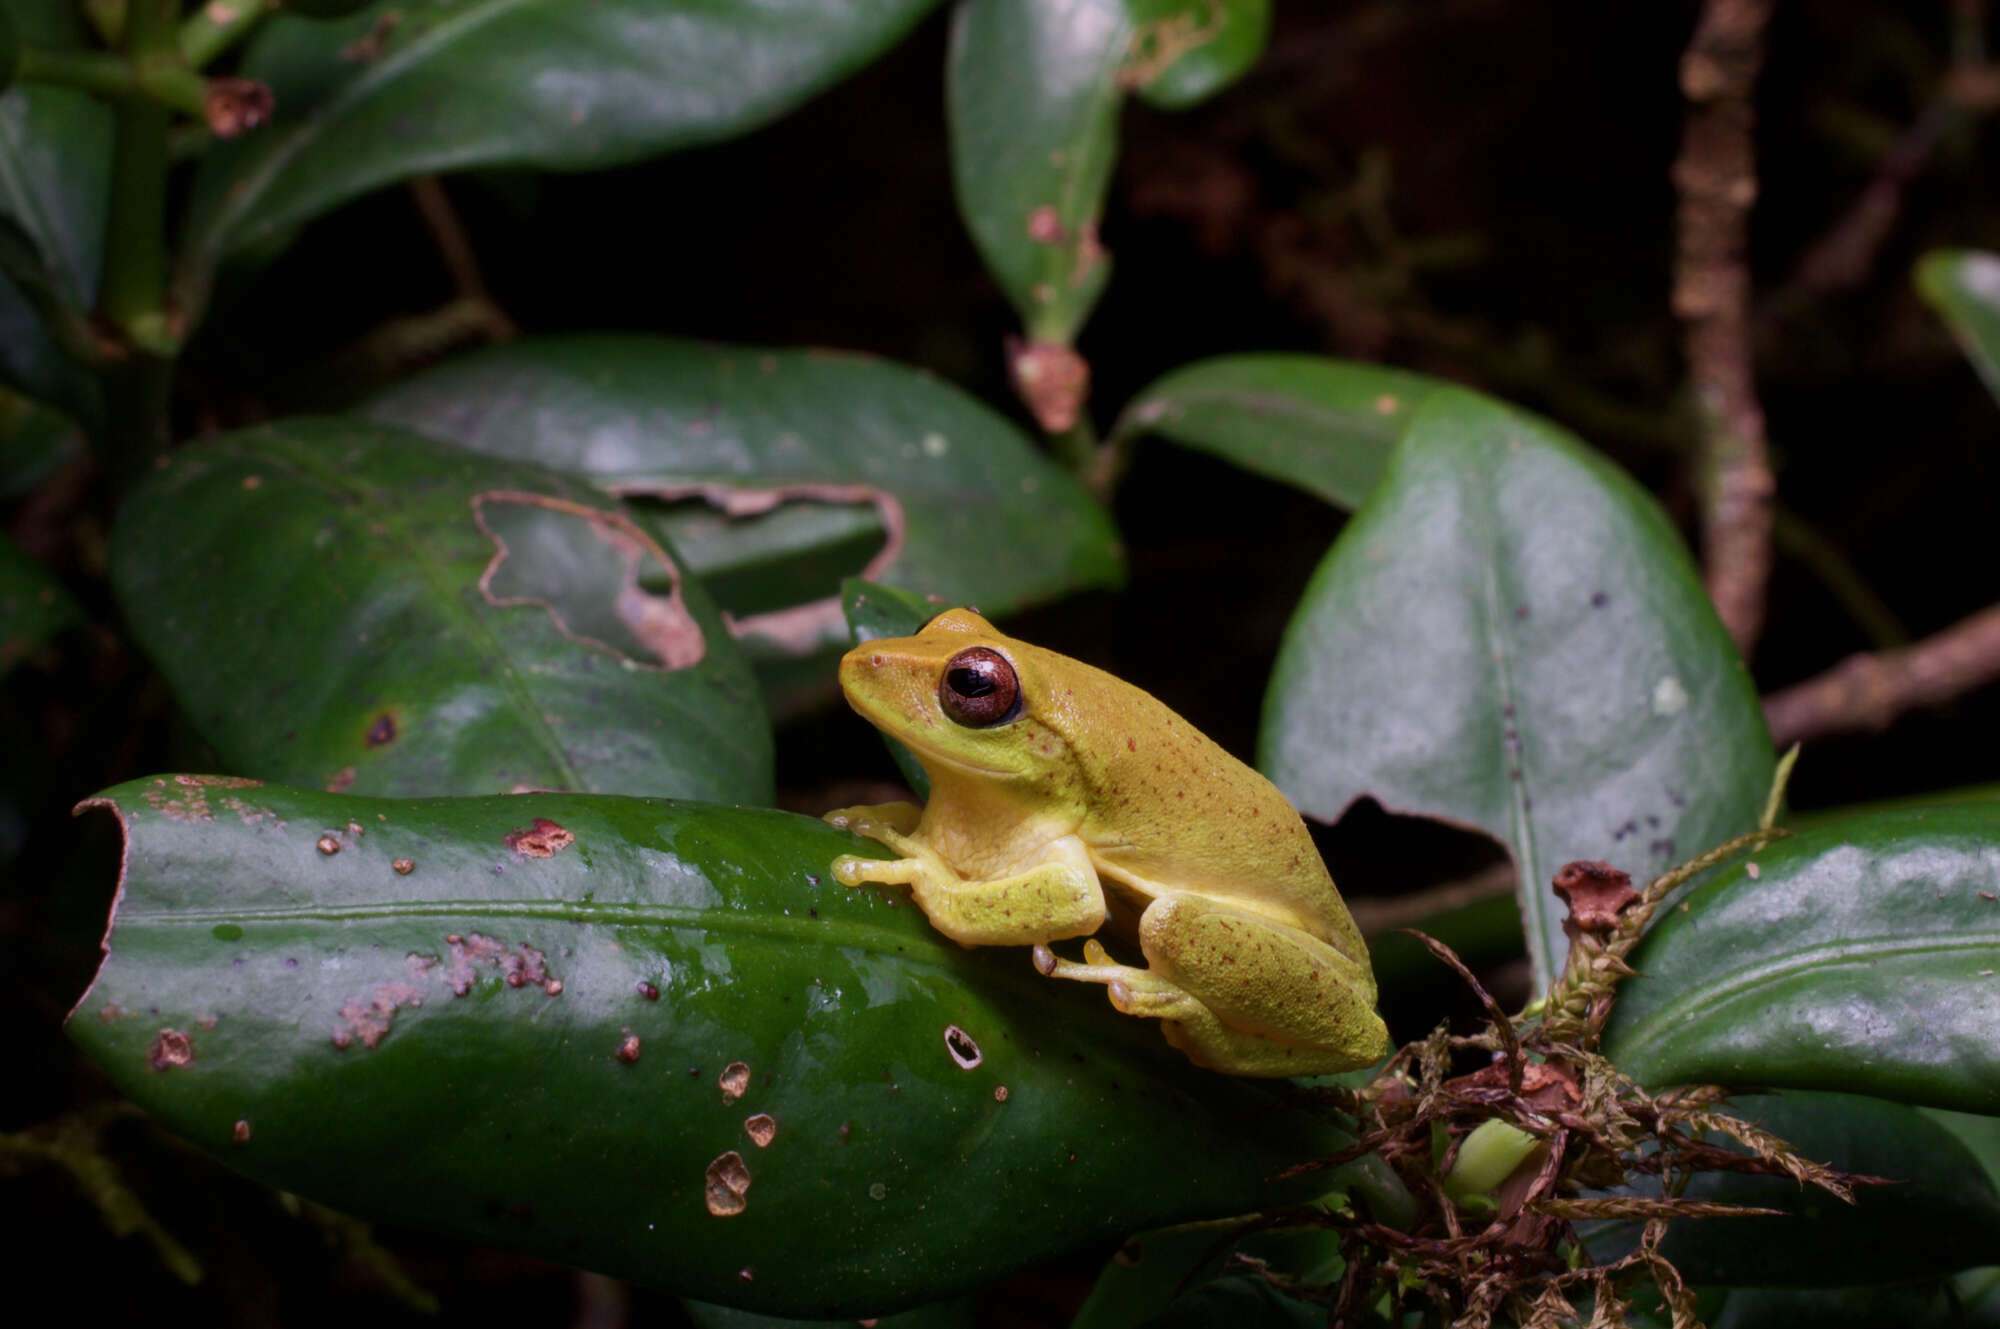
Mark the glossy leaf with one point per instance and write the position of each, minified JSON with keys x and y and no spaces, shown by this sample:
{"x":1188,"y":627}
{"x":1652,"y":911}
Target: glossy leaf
{"x":404,"y":88}
{"x":345,"y":605}
{"x":1941,"y":1213}
{"x":1862,"y":956}
{"x":1963,"y":286}
{"x":1033,"y":89}
{"x":970,"y":512}
{"x":1509,"y":635}
{"x":55,"y":173}
{"x":34,"y":606}
{"x":1324,"y":426}
{"x":563,"y":1024}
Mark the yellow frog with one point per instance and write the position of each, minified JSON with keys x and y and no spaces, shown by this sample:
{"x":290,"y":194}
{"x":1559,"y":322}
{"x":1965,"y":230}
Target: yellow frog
{"x":1050,"y":781}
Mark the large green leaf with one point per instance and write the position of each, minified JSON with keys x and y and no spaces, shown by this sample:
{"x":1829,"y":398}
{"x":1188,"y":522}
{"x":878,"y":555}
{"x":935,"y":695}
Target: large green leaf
{"x":1509,"y":635}
{"x":968,"y":510}
{"x":1862,"y":956}
{"x":409,"y":86}
{"x":1939,"y":1213}
{"x":1324,"y":426}
{"x":1963,"y":285}
{"x":342,"y":604}
{"x":562,"y":1023}
{"x":1033,"y":91}
{"x":55,"y":174}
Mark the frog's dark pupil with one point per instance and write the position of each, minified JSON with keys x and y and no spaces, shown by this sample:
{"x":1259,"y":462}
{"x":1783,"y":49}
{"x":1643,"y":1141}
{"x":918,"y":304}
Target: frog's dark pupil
{"x":972,"y":682}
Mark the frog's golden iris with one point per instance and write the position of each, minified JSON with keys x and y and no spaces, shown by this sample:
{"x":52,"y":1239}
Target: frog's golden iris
{"x":1064,"y":800}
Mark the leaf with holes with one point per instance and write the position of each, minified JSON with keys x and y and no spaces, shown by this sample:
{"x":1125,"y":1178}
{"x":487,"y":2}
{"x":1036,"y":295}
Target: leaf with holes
{"x":410,"y":86}
{"x":1320,"y":425}
{"x":957,"y":503}
{"x":1509,"y":635}
{"x":1033,"y":91}
{"x":1864,"y":955}
{"x":1963,"y":286}
{"x":345,"y":605}
{"x":648,"y":1037}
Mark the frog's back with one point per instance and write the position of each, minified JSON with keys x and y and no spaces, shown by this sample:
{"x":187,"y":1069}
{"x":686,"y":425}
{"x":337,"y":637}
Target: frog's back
{"x":1172,"y":810}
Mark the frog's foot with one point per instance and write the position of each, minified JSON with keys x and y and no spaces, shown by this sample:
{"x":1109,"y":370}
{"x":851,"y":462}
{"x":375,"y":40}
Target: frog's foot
{"x":871,"y":819}
{"x":1133,"y":991}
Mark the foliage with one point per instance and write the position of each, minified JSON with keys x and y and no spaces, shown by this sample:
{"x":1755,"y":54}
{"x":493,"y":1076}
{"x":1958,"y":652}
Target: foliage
{"x":487,"y":922}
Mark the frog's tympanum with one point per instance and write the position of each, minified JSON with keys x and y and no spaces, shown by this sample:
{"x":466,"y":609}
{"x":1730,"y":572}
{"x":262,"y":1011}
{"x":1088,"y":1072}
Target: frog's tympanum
{"x":1062,"y":799}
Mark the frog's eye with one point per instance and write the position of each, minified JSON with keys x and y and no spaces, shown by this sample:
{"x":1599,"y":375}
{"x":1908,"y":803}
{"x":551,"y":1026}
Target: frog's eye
{"x":980,"y":689}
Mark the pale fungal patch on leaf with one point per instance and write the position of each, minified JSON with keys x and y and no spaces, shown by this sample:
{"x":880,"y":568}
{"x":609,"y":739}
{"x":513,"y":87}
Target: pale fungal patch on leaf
{"x":171,"y":1048}
{"x":728,"y":1182}
{"x":734,"y":1081}
{"x":519,"y":966}
{"x":369,"y":1020}
{"x":762,"y":1129}
{"x":660,"y":625}
{"x":1670,"y":697}
{"x":962,"y":1048}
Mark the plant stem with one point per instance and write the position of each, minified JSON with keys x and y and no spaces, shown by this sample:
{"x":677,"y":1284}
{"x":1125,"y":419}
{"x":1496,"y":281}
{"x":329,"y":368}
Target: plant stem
{"x":215,"y":27}
{"x":1076,"y":447}
{"x":111,"y":76}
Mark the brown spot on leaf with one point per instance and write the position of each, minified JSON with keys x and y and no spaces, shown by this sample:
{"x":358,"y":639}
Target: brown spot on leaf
{"x":762,"y":1129}
{"x":341,"y":780}
{"x":728,"y":1182}
{"x":545,"y":839}
{"x":1596,"y":894}
{"x":962,"y":1048}
{"x":663,"y":634}
{"x":110,"y":1011}
{"x":647,"y":990}
{"x":628,"y":1048}
{"x":171,"y":1048}
{"x":404,"y":866}
{"x":734,"y":1080}
{"x":235,"y":106}
{"x":1051,"y":379}
{"x":1045,"y":225}
{"x":553,"y":987}
{"x":369,"y":1020}
{"x":240,"y":1132}
{"x":328,"y":845}
{"x":999,"y":1093}
{"x":382,"y":732}
{"x":369,"y":47}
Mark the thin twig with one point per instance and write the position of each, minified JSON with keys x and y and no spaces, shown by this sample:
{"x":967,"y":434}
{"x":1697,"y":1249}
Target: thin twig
{"x":1866,"y":692}
{"x":455,"y":246}
{"x":1716,"y":178}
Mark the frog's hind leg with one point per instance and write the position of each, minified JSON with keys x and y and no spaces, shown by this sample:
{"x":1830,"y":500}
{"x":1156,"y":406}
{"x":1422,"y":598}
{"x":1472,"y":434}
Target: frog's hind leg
{"x":1238,"y":992}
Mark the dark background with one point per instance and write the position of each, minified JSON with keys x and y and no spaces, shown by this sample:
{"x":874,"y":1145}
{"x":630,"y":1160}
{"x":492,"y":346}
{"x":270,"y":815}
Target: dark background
{"x":1473,"y":188}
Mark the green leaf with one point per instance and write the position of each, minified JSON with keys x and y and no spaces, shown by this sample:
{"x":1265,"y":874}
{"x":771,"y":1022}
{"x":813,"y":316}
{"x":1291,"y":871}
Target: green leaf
{"x":1033,"y":89}
{"x":403,"y":88}
{"x":379,"y":1028}
{"x":341,"y":604}
{"x":1316,"y":424}
{"x":955,"y":1314}
{"x":1862,"y":956}
{"x":1963,"y":286}
{"x":1186,"y":53}
{"x":970,"y":512}
{"x":34,"y":606}
{"x":55,"y":175}
{"x":1509,"y":635}
{"x":1939,"y":1215}
{"x":1904,"y":1305}
{"x":1171,"y":1277}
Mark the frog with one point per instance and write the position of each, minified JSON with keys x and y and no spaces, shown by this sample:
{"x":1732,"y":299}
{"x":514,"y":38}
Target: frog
{"x":1065,"y":802}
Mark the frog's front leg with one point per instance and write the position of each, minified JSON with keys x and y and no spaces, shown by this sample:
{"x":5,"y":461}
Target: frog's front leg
{"x":1238,"y":992}
{"x":1056,"y":895}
